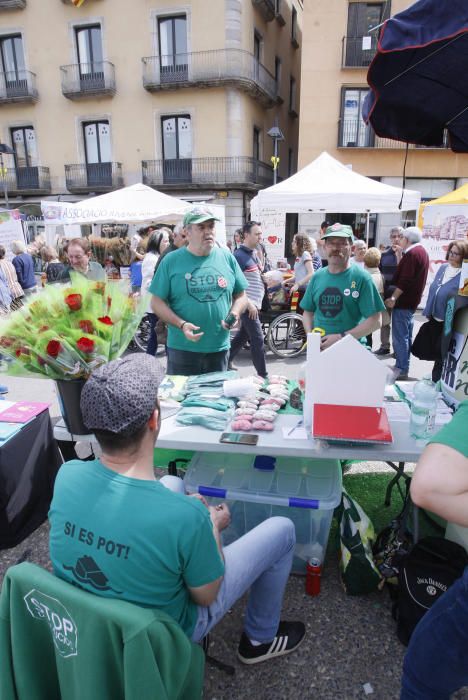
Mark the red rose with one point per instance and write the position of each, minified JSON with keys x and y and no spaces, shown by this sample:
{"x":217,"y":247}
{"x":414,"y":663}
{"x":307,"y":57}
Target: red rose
{"x":43,"y":328}
{"x":22,"y":351}
{"x":53,"y":348}
{"x":106,"y":320}
{"x":73,"y":301}
{"x":85,"y":345}
{"x":6,"y":342}
{"x":86,"y":326}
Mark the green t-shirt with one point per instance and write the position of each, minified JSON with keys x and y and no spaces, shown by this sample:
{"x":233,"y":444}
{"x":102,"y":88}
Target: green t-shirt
{"x":131,"y":539}
{"x":455,"y":434}
{"x":340,"y":301}
{"x":199,"y":289}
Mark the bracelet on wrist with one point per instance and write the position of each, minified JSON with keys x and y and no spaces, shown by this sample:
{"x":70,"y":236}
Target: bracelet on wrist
{"x":184,"y":323}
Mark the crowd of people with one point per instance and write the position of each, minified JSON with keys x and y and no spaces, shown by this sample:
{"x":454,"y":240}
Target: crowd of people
{"x":190,"y":315}
{"x":201,"y":291}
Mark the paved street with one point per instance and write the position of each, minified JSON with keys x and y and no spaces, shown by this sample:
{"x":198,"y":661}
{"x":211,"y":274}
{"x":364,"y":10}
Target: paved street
{"x":351,"y":641}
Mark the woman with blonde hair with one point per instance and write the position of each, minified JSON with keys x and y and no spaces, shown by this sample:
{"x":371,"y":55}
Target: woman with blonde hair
{"x":301,"y":247}
{"x":9,"y":272}
{"x":53,"y":266}
{"x":371,"y":260}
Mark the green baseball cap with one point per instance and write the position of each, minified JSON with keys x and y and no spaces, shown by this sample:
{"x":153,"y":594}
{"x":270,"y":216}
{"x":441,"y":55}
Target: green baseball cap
{"x":197,"y":215}
{"x":339,"y":231}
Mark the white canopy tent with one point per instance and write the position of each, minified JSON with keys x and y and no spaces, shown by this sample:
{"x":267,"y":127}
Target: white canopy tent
{"x":137,"y":204}
{"x":328,"y":185}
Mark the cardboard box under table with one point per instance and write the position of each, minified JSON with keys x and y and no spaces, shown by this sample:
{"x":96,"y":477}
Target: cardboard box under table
{"x":256,"y":488}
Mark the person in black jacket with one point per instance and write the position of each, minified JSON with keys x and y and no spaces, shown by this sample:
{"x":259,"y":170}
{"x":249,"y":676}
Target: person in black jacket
{"x":388,"y":265}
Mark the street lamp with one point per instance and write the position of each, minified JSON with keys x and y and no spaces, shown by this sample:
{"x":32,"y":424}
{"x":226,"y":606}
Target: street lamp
{"x":277,"y":135}
{"x":4,"y":148}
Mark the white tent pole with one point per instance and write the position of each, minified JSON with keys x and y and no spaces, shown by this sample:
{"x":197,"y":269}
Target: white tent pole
{"x":367,"y":227}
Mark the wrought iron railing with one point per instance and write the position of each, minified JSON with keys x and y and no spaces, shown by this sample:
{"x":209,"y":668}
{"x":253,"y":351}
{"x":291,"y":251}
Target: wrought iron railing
{"x":12,"y":4}
{"x":358,"y":51}
{"x":355,"y":133}
{"x":209,"y":68}
{"x":18,"y":86}
{"x":266,"y":8}
{"x":240,"y":170}
{"x":32,"y":180}
{"x":93,"y":177}
{"x":82,"y":79}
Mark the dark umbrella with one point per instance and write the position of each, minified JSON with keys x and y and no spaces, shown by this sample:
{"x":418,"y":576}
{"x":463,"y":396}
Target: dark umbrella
{"x":419,"y":76}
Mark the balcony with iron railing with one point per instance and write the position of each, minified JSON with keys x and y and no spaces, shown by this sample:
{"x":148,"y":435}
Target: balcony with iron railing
{"x":211,"y":69}
{"x":216,"y":172}
{"x":81,"y":80}
{"x":355,"y":133}
{"x":93,"y":177}
{"x":358,"y":51}
{"x":17,"y":86}
{"x":266,"y":8}
{"x":12,"y":4}
{"x":25,"y":180}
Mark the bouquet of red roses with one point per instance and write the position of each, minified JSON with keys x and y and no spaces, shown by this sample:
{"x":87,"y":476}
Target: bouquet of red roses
{"x":66,"y":331}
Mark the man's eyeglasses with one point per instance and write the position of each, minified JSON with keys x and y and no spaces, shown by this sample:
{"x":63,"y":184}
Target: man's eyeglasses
{"x":454,"y":252}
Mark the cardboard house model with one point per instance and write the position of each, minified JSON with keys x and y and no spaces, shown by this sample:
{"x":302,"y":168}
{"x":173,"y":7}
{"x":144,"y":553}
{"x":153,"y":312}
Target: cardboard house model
{"x":349,"y":381}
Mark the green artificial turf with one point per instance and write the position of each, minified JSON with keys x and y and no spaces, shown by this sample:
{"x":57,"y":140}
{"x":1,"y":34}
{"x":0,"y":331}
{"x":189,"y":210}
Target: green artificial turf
{"x":162,"y":457}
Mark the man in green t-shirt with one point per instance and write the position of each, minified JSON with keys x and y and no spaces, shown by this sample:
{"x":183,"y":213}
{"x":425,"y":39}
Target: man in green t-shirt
{"x":199,"y":291}
{"x":341,"y":299}
{"x":118,"y":532}
{"x":436,"y":663}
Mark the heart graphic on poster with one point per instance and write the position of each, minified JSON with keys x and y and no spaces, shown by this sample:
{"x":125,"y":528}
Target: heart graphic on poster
{"x":272,"y":239}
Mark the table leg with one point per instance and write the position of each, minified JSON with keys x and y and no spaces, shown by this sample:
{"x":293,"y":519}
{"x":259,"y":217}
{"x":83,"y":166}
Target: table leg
{"x":67,"y":448}
{"x":400,"y":473}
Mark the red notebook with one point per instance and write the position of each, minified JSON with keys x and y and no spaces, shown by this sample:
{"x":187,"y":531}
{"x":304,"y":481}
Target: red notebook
{"x":351,"y":423}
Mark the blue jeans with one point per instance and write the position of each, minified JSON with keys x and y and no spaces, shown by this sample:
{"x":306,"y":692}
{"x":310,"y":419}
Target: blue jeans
{"x":251,"y":329}
{"x":436,"y":663}
{"x":260,"y":560}
{"x":189,"y":363}
{"x":402,"y":336}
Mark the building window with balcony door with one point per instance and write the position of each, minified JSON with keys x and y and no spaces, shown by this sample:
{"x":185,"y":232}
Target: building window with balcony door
{"x":177,"y":149}
{"x":292,"y":97}
{"x":278,"y":75}
{"x":256,"y":143}
{"x":354,"y":132}
{"x":90,"y":57}
{"x":360,"y":42}
{"x":23,"y":139}
{"x":290,"y":162}
{"x":294,"y":37}
{"x":97,"y":147}
{"x":173,"y":57}
{"x":12,"y":58}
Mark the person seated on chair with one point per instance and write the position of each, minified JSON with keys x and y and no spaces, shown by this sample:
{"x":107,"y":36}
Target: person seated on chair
{"x":436,"y":663}
{"x":118,"y":532}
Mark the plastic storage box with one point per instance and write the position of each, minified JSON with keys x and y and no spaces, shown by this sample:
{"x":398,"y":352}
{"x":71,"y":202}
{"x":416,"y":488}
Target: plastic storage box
{"x":255,"y":488}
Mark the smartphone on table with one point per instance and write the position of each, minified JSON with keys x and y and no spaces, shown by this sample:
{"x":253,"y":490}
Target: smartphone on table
{"x":239,"y":438}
